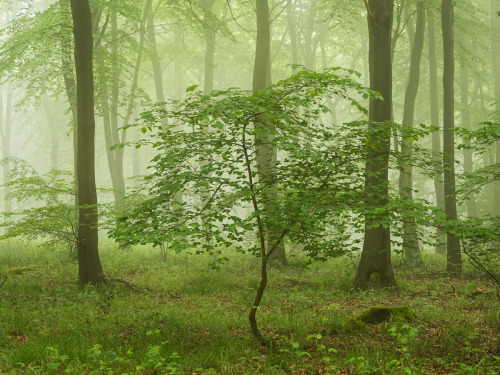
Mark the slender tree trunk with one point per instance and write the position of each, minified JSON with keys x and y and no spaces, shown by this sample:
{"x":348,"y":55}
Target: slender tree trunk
{"x":69,"y":79}
{"x":453,"y":254}
{"x":495,"y":48}
{"x":468,"y":163}
{"x":6,"y":138}
{"x":292,"y":30}
{"x":376,"y":255}
{"x":411,"y":247}
{"x":54,"y":143}
{"x":436,"y":136}
{"x":90,"y":270}
{"x":265,"y":156}
{"x":308,"y":46}
{"x":155,"y":57}
{"x":207,"y":6}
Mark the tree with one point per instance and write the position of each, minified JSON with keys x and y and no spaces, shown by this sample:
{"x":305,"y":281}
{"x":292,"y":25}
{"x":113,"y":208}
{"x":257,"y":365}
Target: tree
{"x":376,"y":254}
{"x":453,"y":255}
{"x":89,"y":264}
{"x":436,"y":136}
{"x":466,"y":123}
{"x":266,"y":158}
{"x":411,"y":247}
{"x":318,"y":178}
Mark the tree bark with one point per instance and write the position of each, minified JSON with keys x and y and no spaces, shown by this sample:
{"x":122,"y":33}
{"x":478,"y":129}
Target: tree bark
{"x":453,"y":254}
{"x":90,"y":270}
{"x":411,"y":247}
{"x":436,"y":136}
{"x":376,"y":254}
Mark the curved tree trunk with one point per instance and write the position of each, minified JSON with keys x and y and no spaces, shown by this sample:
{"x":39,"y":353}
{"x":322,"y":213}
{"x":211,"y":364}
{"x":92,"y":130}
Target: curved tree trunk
{"x":453,"y":254}
{"x":90,"y":270}
{"x":376,"y":255}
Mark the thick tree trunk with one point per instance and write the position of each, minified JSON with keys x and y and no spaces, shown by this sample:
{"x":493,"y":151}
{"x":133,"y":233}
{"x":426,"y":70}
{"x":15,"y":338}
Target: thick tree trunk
{"x":376,"y":255}
{"x":436,"y":136}
{"x":90,"y":270}
{"x":495,"y":48}
{"x":468,"y":163}
{"x":453,"y":254}
{"x":411,"y":247}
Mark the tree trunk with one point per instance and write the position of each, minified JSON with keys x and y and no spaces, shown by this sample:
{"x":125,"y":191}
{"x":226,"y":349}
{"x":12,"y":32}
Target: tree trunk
{"x":495,"y":48}
{"x":90,"y":270}
{"x":266,"y":157}
{"x":468,"y":163}
{"x":207,"y":6}
{"x":376,"y":255}
{"x":292,"y":30}
{"x":436,"y":136}
{"x":309,"y":48}
{"x":68,"y":72}
{"x":453,"y":254}
{"x":6,"y":128}
{"x":411,"y":247}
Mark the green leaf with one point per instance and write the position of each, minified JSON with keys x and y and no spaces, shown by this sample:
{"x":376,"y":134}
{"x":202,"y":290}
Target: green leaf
{"x":219,"y":125}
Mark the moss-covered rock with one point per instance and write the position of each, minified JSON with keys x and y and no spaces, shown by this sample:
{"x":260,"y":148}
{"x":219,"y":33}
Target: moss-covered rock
{"x":380,"y":314}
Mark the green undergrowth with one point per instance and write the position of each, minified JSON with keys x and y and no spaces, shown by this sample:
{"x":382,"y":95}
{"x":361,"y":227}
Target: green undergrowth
{"x":179,"y":316}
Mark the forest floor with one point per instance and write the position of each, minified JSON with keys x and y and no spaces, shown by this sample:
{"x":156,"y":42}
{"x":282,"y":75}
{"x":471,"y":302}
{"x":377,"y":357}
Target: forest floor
{"x":179,"y":316}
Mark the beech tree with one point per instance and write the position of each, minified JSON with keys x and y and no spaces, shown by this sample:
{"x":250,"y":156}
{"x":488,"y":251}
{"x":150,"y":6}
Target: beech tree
{"x":453,"y":255}
{"x":89,"y":264}
{"x":411,"y":246}
{"x":266,"y":158}
{"x":376,"y":254}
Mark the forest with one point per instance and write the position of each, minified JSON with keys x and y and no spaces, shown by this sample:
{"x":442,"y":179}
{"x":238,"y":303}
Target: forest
{"x":250,"y":187}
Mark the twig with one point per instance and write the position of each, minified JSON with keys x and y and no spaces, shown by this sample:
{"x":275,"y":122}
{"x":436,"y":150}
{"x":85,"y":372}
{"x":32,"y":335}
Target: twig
{"x":3,"y":282}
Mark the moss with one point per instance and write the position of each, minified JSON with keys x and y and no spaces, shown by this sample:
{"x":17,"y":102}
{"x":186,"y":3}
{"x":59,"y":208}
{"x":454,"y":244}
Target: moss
{"x":354,"y":325}
{"x":379,"y":314}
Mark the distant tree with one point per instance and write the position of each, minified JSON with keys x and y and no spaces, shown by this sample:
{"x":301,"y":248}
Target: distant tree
{"x":411,"y":246}
{"x":434,"y":117}
{"x":266,"y":155}
{"x":89,"y":264}
{"x":454,"y":257}
{"x":376,"y":254}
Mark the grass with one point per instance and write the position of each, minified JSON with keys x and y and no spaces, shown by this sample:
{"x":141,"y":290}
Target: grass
{"x":180,"y":317}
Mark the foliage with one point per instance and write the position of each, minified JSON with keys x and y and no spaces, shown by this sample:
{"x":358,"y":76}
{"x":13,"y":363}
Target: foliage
{"x":317,"y":177}
{"x":50,"y":198}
